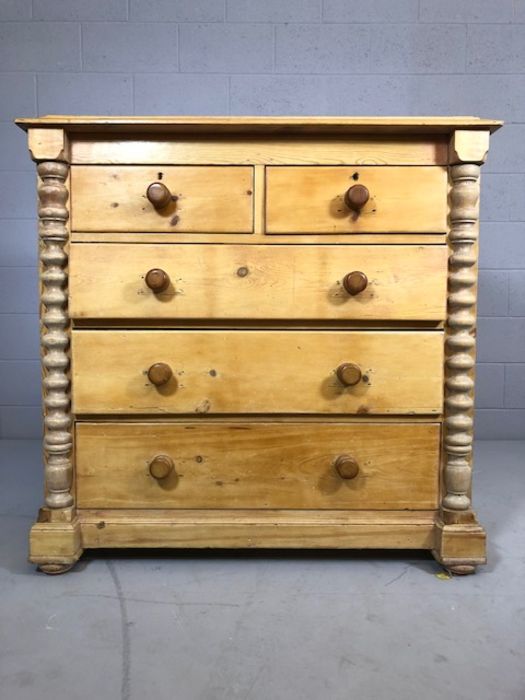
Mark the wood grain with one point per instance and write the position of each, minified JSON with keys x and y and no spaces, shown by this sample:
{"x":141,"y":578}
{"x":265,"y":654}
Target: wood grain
{"x":258,"y":465}
{"x":257,"y":371}
{"x":257,"y":528}
{"x":48,"y":145}
{"x":310,"y":200}
{"x":258,"y":237}
{"x":257,"y":282}
{"x":468,"y":146}
{"x":207,"y":199}
{"x":263,"y":124}
{"x":264,"y":151}
{"x":250,"y":438}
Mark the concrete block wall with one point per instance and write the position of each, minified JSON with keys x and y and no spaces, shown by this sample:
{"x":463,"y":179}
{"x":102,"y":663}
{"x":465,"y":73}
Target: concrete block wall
{"x":386,"y":57}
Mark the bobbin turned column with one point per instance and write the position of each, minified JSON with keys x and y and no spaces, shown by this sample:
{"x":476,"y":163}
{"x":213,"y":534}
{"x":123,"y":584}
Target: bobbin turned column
{"x":55,"y":539}
{"x":460,"y":540}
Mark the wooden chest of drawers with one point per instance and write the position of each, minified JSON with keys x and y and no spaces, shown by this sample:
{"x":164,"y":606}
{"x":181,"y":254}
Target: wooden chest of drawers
{"x":247,"y":338}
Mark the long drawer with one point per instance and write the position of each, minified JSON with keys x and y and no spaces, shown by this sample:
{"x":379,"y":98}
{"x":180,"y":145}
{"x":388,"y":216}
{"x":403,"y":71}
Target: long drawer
{"x":311,"y":199}
{"x":202,"y":199}
{"x":219,"y":372}
{"x":257,"y":465}
{"x":126,"y":281}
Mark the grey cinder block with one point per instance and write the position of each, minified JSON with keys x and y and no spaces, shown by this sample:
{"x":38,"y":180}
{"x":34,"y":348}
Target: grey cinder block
{"x":223,"y":48}
{"x":370,"y":11}
{"x":28,"y":46}
{"x":177,"y":10}
{"x":465,"y":11}
{"x":17,"y":195}
{"x":503,"y":197}
{"x":264,"y":94}
{"x":515,"y":387}
{"x":13,"y":149}
{"x":495,"y":48}
{"x":507,"y":150}
{"x":274,"y":11}
{"x":18,"y":290}
{"x":15,"y":10}
{"x":181,"y":94}
{"x":519,"y":10}
{"x":130,"y":46}
{"x":80,"y":9}
{"x":85,"y":93}
{"x":18,"y":243}
{"x":20,"y":381}
{"x":418,"y":48}
{"x":496,"y":96}
{"x":493,"y":293}
{"x":501,"y":339}
{"x":502,"y":245}
{"x":20,"y":335}
{"x":21,"y":422}
{"x":17,"y":95}
{"x":489,"y":385}
{"x":322,"y":48}
{"x":517,"y":295}
{"x":499,"y":424}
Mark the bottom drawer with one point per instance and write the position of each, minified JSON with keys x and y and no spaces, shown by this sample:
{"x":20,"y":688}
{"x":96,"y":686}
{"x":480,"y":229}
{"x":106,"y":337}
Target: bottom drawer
{"x":258,"y":465}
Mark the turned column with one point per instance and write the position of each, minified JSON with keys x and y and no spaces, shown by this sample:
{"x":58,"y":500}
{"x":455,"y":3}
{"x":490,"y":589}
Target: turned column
{"x":53,"y":233}
{"x":460,"y":340}
{"x":460,"y":541}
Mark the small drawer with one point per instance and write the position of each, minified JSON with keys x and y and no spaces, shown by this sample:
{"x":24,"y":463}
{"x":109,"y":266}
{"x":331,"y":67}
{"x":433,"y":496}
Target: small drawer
{"x":257,"y":371}
{"x":360,"y":199}
{"x":257,"y":282}
{"x":257,"y":465}
{"x":174,"y":199}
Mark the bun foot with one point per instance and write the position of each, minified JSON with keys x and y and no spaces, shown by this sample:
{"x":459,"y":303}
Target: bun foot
{"x":461,"y":569}
{"x":55,"y":569}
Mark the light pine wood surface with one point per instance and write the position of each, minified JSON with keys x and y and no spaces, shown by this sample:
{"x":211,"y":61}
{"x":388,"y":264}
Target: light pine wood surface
{"x":310,"y":200}
{"x":206,"y":199}
{"x":264,"y":352}
{"x":318,"y":529}
{"x":259,"y":237}
{"x":266,"y":151}
{"x":174,"y":124}
{"x":257,"y":371}
{"x":257,"y":465}
{"x":257,"y":282}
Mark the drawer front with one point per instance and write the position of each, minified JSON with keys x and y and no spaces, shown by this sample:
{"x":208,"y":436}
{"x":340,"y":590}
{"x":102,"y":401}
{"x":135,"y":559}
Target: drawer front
{"x":203,"y":199}
{"x":312,"y":200}
{"x":257,"y":465}
{"x":252,"y":371}
{"x":257,"y":282}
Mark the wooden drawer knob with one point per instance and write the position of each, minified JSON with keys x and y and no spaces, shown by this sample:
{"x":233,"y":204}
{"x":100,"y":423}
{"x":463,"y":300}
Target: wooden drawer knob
{"x":161,"y":466}
{"x":159,"y":195}
{"x":356,"y":197}
{"x":355,"y":282}
{"x":160,"y":373}
{"x":349,"y":374}
{"x":346,"y":466}
{"x":157,"y":280}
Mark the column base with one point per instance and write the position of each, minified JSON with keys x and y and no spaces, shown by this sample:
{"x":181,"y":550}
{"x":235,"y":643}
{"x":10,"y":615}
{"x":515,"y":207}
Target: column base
{"x":55,"y":542}
{"x":460,"y":542}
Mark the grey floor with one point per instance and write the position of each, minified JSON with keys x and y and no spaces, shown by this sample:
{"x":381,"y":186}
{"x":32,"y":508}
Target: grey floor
{"x":265,"y":626}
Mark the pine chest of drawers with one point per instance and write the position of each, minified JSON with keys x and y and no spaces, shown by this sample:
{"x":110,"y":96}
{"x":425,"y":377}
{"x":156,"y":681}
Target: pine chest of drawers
{"x":258,"y":332}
